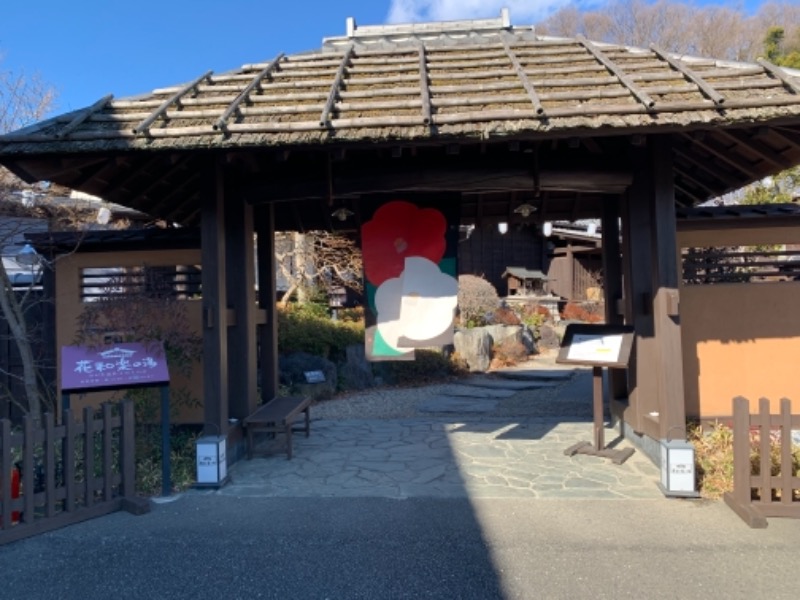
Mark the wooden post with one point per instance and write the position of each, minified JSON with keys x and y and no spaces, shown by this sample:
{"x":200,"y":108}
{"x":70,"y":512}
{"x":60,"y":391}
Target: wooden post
{"x":215,"y":322}
{"x":665,"y":282}
{"x":641,"y":387}
{"x":612,"y":285}
{"x":597,"y":407}
{"x":128,"y":449}
{"x":268,"y":332}
{"x":241,"y":287}
{"x":570,"y":273}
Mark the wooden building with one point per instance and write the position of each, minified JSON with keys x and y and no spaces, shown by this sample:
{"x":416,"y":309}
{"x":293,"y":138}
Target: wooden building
{"x":479,"y":114}
{"x":524,"y":282}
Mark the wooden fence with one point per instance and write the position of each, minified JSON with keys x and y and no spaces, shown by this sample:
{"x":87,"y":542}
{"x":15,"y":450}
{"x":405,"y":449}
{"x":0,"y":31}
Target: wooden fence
{"x":761,"y":490}
{"x":67,"y":473}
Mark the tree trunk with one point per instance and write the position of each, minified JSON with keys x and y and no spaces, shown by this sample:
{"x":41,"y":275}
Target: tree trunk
{"x":14,"y":314}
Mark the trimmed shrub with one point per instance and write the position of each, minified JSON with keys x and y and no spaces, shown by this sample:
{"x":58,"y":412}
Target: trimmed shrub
{"x":303,"y":330}
{"x":429,"y":366}
{"x":477,"y":301}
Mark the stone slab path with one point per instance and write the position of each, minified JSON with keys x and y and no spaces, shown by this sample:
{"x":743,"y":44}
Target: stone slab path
{"x":440,"y":457}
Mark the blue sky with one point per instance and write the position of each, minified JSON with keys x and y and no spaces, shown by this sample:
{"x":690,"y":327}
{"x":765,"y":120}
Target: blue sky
{"x":86,"y":49}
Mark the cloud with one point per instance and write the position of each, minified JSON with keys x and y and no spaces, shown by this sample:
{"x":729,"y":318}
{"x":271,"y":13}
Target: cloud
{"x":523,"y":12}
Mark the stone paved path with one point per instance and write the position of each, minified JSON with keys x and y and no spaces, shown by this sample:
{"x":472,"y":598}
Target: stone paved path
{"x":492,"y":436}
{"x":441,"y":457}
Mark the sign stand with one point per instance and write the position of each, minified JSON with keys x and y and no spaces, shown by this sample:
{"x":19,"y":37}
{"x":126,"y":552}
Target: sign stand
{"x":121,"y":366}
{"x":597,"y":346}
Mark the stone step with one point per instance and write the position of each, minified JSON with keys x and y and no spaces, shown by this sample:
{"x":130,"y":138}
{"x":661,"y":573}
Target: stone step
{"x":476,"y":392}
{"x":450,"y":404}
{"x":498,"y":383}
{"x":535,"y":374}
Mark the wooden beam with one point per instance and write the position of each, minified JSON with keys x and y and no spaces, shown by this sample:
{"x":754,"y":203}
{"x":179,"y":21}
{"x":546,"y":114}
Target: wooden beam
{"x":776,"y":159}
{"x":724,"y":154}
{"x":444,"y":179}
{"x":693,"y":197}
{"x":710,"y":168}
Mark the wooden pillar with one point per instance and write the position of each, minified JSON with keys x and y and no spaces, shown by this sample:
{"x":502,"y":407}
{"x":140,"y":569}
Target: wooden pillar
{"x":612,"y":284}
{"x":642,"y":394}
{"x":570,"y":273}
{"x":666,"y":274}
{"x":215,"y":322}
{"x":268,"y":331}
{"x":241,"y":280}
{"x":656,"y":375}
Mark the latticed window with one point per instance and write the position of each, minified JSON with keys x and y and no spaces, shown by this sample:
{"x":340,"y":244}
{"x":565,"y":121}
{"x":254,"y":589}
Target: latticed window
{"x":740,"y":264}
{"x":180,"y":282}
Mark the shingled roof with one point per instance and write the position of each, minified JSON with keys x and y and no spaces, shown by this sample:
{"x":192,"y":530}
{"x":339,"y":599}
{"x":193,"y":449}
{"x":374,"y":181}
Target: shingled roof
{"x":468,"y":82}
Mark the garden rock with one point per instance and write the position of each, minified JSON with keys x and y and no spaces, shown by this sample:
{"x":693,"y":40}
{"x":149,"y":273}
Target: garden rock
{"x":529,"y":340}
{"x":521,"y":334}
{"x":474,"y":346}
{"x":356,"y":372}
{"x":548,"y":337}
{"x":292,"y":368}
{"x":501,"y":333}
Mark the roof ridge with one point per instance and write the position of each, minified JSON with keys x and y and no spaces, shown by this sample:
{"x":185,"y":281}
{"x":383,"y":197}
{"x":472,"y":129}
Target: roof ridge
{"x":425,"y":31}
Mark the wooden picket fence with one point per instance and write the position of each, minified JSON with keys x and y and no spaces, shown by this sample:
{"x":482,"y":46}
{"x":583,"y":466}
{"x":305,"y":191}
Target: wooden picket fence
{"x":760,"y":491}
{"x":68,"y":472}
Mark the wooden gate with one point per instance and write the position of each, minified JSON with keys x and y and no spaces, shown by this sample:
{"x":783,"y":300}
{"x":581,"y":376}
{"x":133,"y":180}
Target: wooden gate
{"x":760,"y":489}
{"x":67,"y":473}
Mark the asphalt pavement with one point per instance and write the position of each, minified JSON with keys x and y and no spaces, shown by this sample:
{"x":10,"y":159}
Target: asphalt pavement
{"x":458,"y":506}
{"x":207,"y":545}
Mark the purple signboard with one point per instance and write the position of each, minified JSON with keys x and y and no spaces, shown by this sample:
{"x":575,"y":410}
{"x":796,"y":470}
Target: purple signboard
{"x":118,"y":366}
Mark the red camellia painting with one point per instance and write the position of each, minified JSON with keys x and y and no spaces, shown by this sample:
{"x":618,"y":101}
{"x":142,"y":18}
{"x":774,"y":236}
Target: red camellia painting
{"x":398,"y":230}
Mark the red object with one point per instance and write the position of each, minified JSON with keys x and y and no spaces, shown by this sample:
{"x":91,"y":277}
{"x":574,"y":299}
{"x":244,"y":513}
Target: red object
{"x":14,"y":494}
{"x":398,"y":230}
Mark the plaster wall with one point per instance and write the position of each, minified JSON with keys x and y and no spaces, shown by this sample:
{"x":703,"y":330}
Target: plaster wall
{"x":740,"y":339}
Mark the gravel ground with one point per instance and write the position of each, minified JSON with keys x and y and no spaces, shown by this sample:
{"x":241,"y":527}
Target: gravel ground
{"x":570,"y":398}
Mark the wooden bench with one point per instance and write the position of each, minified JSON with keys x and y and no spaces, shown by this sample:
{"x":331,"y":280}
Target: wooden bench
{"x":278,"y":416}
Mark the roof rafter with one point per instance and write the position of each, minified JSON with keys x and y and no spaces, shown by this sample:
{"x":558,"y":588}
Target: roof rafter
{"x":424,"y":86}
{"x":336,"y":86}
{"x":710,"y":169}
{"x":767,"y":153}
{"x":641,"y":96}
{"x":144,"y":126}
{"x":724,"y":154}
{"x":689,"y":74}
{"x":245,"y":93}
{"x":779,"y":74}
{"x":81,"y":117}
{"x":526,"y":83}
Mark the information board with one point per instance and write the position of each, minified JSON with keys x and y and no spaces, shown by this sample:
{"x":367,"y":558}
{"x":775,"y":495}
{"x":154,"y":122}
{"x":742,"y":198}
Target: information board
{"x":120,"y":366}
{"x":596,"y":345}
